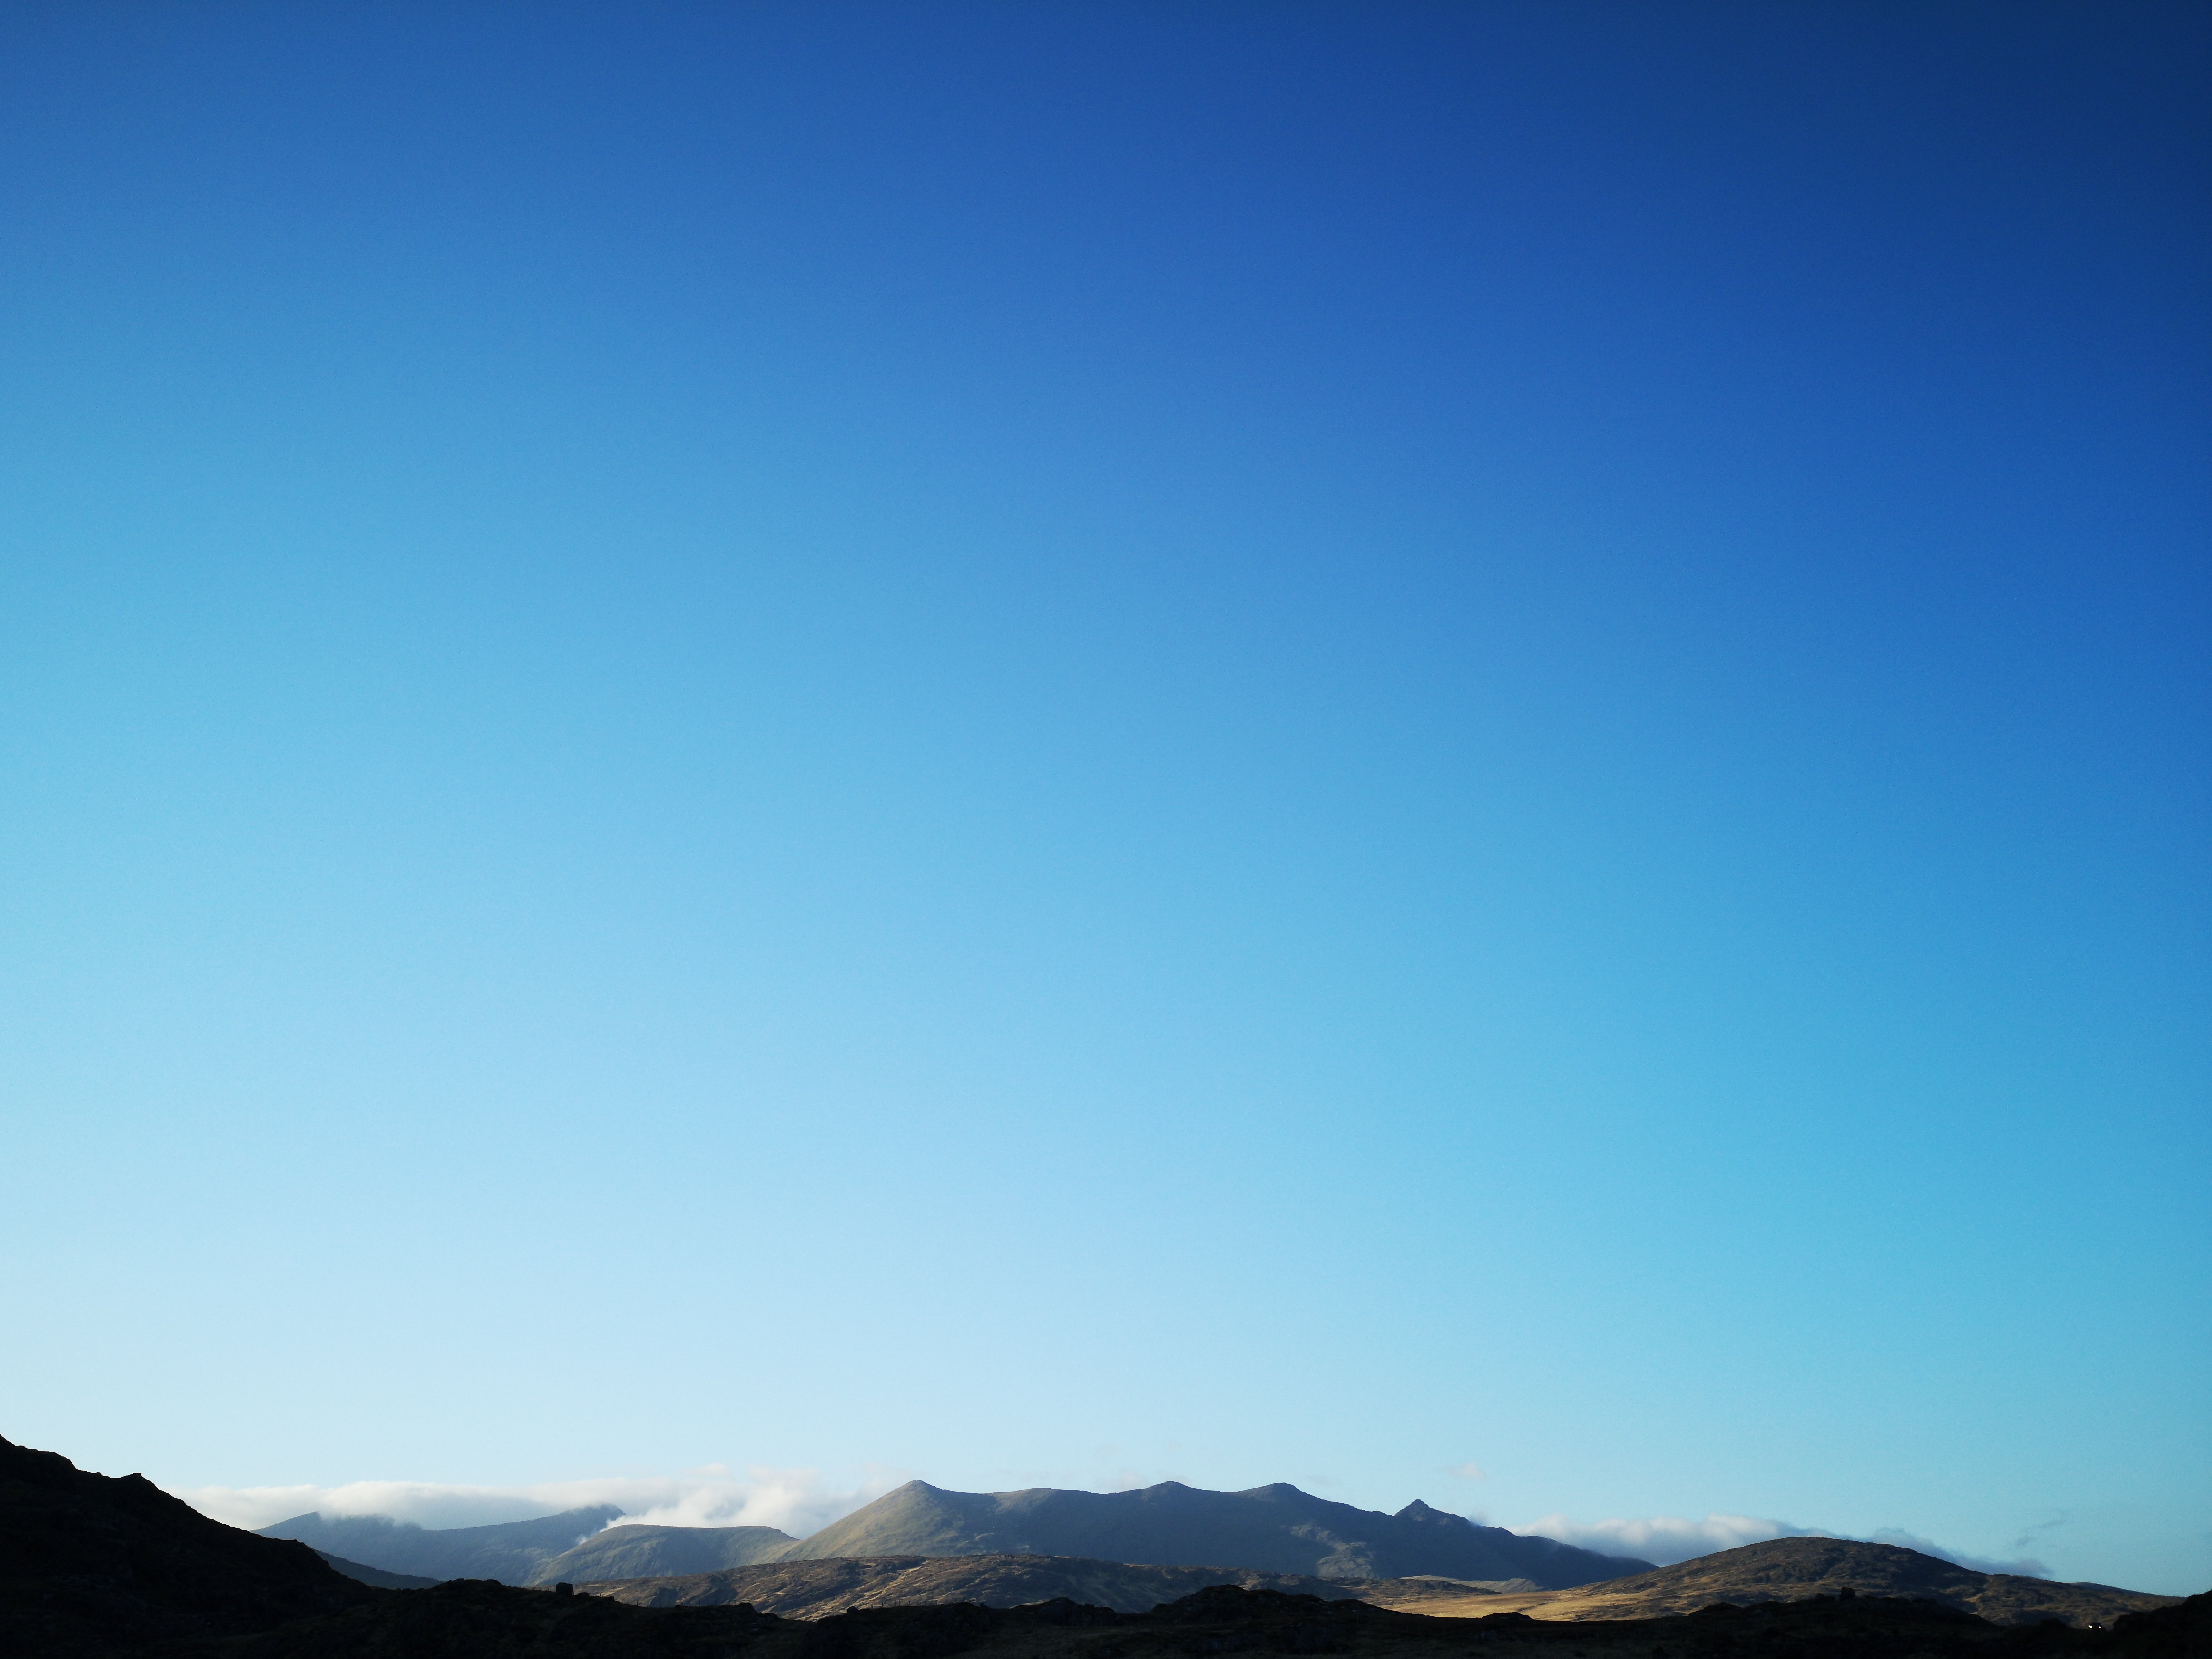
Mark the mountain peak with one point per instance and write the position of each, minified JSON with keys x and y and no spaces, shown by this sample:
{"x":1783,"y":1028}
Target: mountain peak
{"x":1416,"y":1510}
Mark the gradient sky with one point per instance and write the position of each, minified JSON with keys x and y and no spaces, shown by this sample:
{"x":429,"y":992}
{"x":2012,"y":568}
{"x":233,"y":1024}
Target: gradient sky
{"x":1066,"y":744}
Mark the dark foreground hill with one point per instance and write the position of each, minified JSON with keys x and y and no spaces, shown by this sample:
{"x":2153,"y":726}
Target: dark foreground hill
{"x":1276,"y":1529}
{"x":820,"y":1590}
{"x":1791,"y":1569}
{"x":483,"y":1620}
{"x":89,"y":1563}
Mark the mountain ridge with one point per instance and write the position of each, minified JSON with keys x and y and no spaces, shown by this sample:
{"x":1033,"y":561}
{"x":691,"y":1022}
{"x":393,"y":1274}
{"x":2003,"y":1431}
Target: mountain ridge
{"x":1274,"y":1528}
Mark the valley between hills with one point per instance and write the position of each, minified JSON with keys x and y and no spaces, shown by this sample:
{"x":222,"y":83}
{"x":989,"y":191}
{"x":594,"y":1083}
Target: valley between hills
{"x":93,"y":1567}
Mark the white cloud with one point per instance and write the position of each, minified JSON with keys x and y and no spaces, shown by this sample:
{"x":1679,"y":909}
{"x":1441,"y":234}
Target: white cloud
{"x":1463,"y":1471}
{"x":1667,"y":1538}
{"x":799,"y":1501}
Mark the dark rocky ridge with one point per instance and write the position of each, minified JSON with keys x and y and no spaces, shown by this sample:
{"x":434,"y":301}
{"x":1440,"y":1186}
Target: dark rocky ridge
{"x":88,"y":1562}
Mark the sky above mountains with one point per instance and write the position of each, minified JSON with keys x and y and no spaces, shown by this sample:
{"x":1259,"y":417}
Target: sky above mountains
{"x":1444,"y":751}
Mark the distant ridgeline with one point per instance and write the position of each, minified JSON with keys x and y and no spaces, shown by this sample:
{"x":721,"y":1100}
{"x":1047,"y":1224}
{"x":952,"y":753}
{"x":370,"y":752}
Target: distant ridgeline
{"x":1274,"y":1528}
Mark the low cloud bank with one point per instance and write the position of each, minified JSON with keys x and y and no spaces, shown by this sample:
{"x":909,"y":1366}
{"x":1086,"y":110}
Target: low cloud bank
{"x":798,"y":1501}
{"x":1666,"y":1539}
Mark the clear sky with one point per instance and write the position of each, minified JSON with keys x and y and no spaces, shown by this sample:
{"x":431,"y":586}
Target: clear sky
{"x":1051,"y":744}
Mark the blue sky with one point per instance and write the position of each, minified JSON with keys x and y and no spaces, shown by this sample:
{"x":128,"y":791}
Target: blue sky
{"x":1064,"y":744}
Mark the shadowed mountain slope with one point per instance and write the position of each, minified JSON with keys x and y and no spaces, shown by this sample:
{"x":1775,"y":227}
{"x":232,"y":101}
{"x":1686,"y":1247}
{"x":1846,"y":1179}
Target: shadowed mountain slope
{"x":511,"y":1552}
{"x":88,"y":1562}
{"x":1791,"y":1569}
{"x":376,"y":1575}
{"x":638,"y":1552}
{"x":820,"y":1590}
{"x":1275,"y":1528}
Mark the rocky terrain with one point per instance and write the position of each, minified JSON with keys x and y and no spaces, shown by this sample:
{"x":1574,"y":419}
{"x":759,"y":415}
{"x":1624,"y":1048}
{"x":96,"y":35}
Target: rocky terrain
{"x":1791,"y":1569}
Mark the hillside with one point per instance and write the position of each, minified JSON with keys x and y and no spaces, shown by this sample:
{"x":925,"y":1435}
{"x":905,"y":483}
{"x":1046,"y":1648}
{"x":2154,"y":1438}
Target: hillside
{"x":511,"y":1552}
{"x":87,"y":1562}
{"x":819,"y":1589}
{"x":636,"y":1552}
{"x":1791,"y":1569}
{"x":1276,"y":1529}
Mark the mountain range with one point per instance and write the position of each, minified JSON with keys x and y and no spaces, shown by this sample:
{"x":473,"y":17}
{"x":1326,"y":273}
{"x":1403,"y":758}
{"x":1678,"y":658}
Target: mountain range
{"x":1131,"y":1551}
{"x":93,"y":1567}
{"x":1275,"y":1528}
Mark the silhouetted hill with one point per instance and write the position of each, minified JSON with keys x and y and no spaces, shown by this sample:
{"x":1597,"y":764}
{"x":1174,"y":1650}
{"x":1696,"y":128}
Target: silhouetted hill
{"x":510,"y":1552}
{"x":89,"y":1563}
{"x":1275,"y":1528}
{"x":819,"y":1589}
{"x":638,"y":1552}
{"x":1792,"y":1569}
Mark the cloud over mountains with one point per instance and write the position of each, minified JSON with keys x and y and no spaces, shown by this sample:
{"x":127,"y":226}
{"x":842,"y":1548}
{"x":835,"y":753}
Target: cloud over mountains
{"x":798,"y":1501}
{"x":803,"y":1501}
